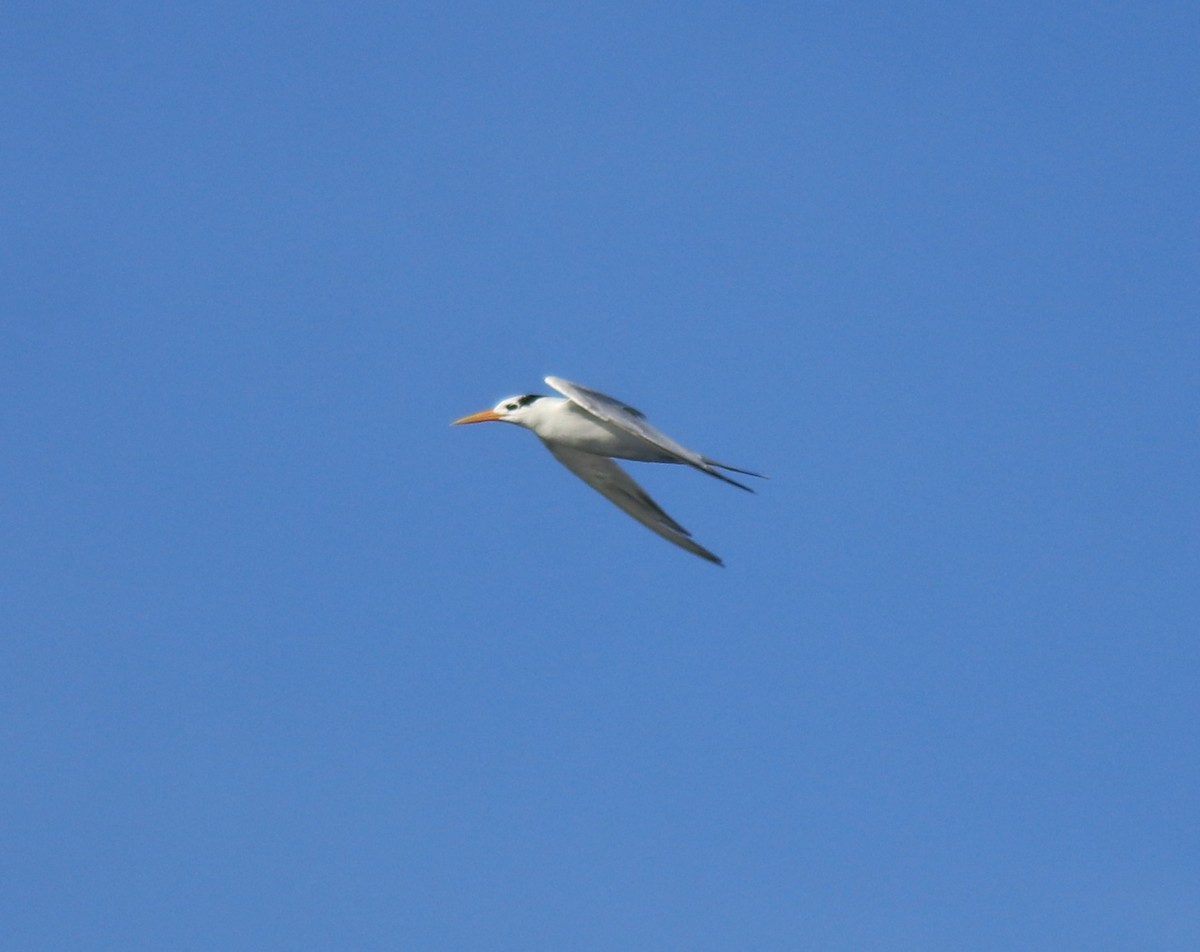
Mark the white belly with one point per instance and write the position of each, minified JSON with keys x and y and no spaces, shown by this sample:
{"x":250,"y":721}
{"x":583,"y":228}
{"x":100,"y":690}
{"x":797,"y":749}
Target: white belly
{"x":571,"y":426}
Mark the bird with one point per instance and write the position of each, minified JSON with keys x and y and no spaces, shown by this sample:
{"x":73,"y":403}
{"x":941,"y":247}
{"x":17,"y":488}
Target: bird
{"x":587,"y":430}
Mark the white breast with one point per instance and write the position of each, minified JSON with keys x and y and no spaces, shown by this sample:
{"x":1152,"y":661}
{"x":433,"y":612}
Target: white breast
{"x":566,"y":424}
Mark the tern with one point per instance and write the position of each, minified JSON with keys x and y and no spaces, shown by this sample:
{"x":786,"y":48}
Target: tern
{"x":585,"y":429}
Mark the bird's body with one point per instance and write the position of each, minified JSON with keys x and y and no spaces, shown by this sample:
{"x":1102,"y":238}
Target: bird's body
{"x":587,"y":429}
{"x":560,"y":422}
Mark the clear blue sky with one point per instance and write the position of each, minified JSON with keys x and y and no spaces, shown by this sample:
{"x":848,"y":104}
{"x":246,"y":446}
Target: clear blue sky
{"x":289,"y":663}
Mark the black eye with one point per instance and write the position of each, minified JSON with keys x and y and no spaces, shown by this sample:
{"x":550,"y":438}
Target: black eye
{"x":510,"y":406}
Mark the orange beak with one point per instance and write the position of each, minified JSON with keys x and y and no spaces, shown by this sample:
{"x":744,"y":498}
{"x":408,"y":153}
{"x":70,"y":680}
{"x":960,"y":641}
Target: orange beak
{"x":481,"y":417}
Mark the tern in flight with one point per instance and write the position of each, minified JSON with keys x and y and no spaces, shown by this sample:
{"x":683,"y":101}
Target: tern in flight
{"x":587,"y":429}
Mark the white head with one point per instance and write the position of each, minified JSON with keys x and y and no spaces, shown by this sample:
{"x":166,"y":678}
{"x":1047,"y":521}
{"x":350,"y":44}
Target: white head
{"x":518,"y":409}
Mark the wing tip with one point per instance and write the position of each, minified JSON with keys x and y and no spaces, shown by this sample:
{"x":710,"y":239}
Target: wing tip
{"x":697,"y":549}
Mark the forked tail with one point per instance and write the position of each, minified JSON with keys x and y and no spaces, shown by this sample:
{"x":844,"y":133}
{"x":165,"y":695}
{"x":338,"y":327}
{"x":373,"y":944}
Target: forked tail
{"x":733,"y":469}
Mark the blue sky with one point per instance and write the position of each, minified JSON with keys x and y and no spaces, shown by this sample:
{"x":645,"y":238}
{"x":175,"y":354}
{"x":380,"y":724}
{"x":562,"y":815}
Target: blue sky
{"x":289,"y":663}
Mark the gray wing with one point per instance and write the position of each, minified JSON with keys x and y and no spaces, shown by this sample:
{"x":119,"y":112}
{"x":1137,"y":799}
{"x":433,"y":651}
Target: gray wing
{"x":616,"y":485}
{"x":634,"y":421}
